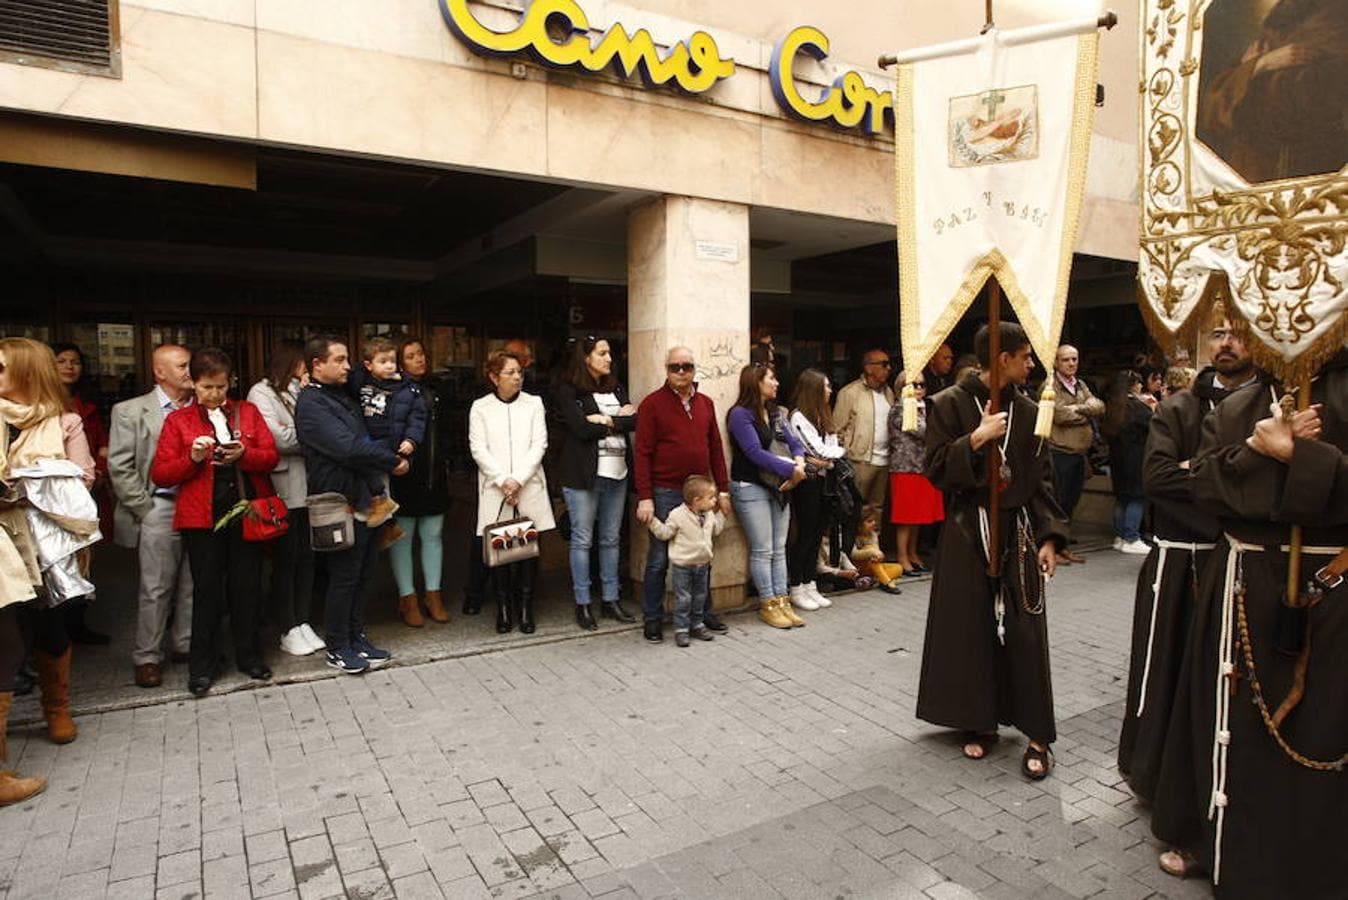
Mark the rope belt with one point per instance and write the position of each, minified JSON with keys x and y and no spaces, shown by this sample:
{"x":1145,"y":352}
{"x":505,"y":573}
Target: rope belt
{"x":1164,"y":547}
{"x":1226,"y":674}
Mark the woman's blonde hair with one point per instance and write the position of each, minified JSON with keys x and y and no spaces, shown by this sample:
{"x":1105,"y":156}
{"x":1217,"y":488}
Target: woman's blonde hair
{"x":31,"y":367}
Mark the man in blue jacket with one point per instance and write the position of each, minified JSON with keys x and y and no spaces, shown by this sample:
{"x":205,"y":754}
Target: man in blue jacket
{"x":341,"y":458}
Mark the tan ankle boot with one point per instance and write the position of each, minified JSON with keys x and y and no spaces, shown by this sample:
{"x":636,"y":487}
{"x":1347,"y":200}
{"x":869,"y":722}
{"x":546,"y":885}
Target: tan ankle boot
{"x":784,"y":607}
{"x":436,"y":606}
{"x":409,"y":607}
{"x":53,"y":680}
{"x":13,"y":788}
{"x":770,"y":611}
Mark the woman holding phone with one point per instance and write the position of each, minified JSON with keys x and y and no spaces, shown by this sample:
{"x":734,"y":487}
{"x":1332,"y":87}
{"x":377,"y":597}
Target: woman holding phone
{"x":217,"y":452}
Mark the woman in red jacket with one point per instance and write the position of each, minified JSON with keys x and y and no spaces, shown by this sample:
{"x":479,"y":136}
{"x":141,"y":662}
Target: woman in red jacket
{"x":212,"y":451}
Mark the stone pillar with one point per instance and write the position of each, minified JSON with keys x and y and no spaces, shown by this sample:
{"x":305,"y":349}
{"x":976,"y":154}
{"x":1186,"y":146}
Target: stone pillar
{"x":688,"y":284}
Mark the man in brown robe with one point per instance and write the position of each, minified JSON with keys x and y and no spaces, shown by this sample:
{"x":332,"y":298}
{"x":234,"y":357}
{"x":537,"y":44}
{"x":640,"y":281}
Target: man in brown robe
{"x":985,"y":658}
{"x":1185,"y":539}
{"x":1282,"y":110}
{"x":1261,"y":803}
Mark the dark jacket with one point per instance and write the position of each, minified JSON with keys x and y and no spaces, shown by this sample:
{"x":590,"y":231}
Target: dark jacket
{"x":393,"y":408}
{"x":339,"y":455}
{"x":1126,"y":449}
{"x":578,"y":461}
{"x":424,"y":490}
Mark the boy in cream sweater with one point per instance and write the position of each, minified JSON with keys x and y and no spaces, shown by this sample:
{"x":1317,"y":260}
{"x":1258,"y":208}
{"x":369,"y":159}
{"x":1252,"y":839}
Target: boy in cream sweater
{"x":689,"y":528}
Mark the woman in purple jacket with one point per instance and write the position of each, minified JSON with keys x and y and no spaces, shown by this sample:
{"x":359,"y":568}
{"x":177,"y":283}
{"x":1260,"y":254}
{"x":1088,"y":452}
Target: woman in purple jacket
{"x":767,"y":463}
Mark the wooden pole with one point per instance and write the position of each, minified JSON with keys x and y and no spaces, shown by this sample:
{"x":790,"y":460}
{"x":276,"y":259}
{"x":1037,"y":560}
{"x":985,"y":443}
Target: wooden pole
{"x":1294,"y":547}
{"x":994,"y":407}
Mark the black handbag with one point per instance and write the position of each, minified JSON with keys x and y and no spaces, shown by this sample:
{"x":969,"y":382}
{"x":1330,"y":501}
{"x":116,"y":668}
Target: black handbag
{"x":777,"y":447}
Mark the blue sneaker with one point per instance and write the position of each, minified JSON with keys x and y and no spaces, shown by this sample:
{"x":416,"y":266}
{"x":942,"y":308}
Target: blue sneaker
{"x":373,"y":656}
{"x":347,"y":660}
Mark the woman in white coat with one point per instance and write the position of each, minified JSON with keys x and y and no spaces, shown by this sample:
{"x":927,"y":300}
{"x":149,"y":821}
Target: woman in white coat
{"x":507,"y":435}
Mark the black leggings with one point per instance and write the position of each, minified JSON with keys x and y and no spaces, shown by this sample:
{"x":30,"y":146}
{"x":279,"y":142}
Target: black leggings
{"x":292,"y":573}
{"x":807,"y":513}
{"x":45,"y":627}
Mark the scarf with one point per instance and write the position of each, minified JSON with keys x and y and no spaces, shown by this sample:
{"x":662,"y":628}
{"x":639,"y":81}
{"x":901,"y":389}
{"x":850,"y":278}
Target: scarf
{"x":40,"y":436}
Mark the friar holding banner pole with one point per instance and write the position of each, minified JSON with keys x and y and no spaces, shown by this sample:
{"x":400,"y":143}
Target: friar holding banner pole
{"x":1236,"y":202}
{"x":992,"y":136}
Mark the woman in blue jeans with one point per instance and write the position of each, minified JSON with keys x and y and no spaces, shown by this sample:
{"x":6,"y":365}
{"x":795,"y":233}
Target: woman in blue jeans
{"x":768,"y":462}
{"x":593,"y":409}
{"x":1126,"y":424}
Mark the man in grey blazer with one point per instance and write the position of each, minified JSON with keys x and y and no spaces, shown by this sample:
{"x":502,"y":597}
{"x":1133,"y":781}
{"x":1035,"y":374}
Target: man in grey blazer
{"x":144,"y":514}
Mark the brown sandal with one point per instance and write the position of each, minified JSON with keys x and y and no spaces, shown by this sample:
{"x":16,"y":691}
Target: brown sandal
{"x":983,"y":742}
{"x":1179,"y":863}
{"x":1044,"y":758}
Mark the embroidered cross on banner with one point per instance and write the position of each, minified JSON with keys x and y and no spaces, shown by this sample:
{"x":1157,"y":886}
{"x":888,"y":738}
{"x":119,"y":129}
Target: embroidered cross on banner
{"x":992,"y":99}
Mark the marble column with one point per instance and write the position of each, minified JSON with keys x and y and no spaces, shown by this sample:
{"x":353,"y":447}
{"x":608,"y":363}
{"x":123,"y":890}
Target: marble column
{"x":688,"y":285}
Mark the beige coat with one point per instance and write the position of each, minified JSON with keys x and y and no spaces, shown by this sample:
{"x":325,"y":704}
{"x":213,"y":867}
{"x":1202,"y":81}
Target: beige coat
{"x":854,"y":417}
{"x":690,"y":541}
{"x":507,"y":441}
{"x":1072,"y":414}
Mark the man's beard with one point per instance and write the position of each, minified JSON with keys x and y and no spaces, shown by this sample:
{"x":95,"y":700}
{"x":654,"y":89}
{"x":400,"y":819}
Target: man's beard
{"x":1233,"y":366}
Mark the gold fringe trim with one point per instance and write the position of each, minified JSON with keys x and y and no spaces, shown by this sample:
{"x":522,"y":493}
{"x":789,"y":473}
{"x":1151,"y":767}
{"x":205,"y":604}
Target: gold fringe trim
{"x":1307,"y":363}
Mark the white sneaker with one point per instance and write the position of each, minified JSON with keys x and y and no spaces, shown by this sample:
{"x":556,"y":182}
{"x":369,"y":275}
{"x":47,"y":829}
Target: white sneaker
{"x":316,"y":643}
{"x":1118,"y":543}
{"x":295,"y":643}
{"x":813,"y":590}
{"x":801,"y":600}
{"x":1138,"y":547}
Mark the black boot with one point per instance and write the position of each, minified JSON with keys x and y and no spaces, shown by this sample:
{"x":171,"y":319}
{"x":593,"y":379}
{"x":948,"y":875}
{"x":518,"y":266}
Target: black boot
{"x":585,"y":617}
{"x":505,"y":621}
{"x":526,"y":601}
{"x":76,"y":627}
{"x":614,"y":610}
{"x":472,"y":604}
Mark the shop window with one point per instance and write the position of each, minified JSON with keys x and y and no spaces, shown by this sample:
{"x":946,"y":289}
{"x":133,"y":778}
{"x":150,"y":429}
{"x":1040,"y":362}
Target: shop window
{"x":22,"y":329}
{"x":453,"y":347}
{"x":70,"y":35}
{"x":110,"y":357}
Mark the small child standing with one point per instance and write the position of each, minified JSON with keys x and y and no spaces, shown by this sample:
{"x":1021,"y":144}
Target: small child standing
{"x":690,"y":528}
{"x":395,"y":415}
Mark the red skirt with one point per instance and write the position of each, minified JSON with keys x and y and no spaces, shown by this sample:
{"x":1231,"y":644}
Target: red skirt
{"x":913,"y":501}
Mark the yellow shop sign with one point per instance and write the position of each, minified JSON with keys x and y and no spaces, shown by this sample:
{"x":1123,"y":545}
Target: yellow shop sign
{"x":848,"y":103}
{"x":693,"y":65}
{"x":556,"y":34}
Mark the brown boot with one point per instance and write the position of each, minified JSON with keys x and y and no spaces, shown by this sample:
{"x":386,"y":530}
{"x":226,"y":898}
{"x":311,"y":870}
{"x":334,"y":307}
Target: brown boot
{"x":53,"y":680}
{"x":436,"y":607}
{"x":409,"y":607}
{"x":13,"y":789}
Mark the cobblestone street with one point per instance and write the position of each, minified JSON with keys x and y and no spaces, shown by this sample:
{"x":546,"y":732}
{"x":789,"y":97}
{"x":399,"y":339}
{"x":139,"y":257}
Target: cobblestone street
{"x":765,"y":764}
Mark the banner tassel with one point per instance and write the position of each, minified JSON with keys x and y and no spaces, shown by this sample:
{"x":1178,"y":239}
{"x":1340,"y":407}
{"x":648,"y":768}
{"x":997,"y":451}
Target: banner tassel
{"x":1043,"y":422}
{"x":909,"y":408}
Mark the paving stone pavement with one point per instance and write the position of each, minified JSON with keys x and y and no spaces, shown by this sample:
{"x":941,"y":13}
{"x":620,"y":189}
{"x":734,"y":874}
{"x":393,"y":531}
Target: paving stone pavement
{"x":764,"y":764}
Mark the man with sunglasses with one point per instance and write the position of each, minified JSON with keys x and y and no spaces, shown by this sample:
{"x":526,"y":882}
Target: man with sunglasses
{"x":677,"y":436}
{"x":862,"y":416}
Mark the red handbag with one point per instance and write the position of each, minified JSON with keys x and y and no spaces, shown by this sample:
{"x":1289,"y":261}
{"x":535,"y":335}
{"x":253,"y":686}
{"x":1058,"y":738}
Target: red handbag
{"x":265,"y":519}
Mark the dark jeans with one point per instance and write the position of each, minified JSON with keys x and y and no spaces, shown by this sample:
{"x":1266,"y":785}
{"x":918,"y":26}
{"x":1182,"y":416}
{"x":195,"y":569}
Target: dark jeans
{"x":226,"y":574}
{"x":807,"y":509}
{"x":292,"y":572}
{"x":1069,"y":477}
{"x":657,"y":558}
{"x":344,"y":616}
{"x":692,"y":596}
{"x":478,"y":573}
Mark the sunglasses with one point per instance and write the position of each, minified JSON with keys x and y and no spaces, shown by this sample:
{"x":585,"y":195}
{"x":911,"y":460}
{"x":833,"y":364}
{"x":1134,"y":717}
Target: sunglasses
{"x":586,"y":343}
{"x":680,"y":368}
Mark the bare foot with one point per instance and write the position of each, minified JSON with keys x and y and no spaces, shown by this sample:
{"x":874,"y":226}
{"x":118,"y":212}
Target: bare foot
{"x":1179,"y":863}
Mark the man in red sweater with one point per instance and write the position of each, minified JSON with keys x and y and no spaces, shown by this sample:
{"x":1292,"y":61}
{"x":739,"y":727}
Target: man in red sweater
{"x":677,"y":436}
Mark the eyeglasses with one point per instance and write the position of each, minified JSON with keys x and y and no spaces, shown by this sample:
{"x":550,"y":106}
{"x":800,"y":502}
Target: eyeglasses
{"x":680,"y":368}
